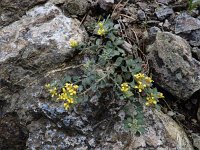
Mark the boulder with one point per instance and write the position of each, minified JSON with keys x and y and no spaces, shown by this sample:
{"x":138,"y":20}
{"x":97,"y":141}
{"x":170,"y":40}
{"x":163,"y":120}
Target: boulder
{"x":12,"y":10}
{"x":174,"y":67}
{"x":186,"y":23}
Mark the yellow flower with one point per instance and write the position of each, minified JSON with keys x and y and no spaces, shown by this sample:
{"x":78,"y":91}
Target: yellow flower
{"x":125,"y":87}
{"x":148,"y":80}
{"x":140,"y":86}
{"x":160,"y":95}
{"x":151,"y":100}
{"x":73,"y":43}
{"x":139,"y":76}
{"x":53,"y":92}
{"x":100,"y":24}
{"x":101,"y":31}
{"x":66,"y":106}
{"x":70,"y":100}
{"x":47,"y":86}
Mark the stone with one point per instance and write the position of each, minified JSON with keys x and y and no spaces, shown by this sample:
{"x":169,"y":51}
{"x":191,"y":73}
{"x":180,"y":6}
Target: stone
{"x":141,"y":15}
{"x":164,"y":1}
{"x":196,"y":140}
{"x":174,"y":67}
{"x":195,"y":38}
{"x":186,"y":23}
{"x":41,"y":27}
{"x":164,"y":12}
{"x":196,"y":51}
{"x":12,"y":10}
{"x":76,"y":7}
{"x":10,"y":131}
{"x":106,"y":4}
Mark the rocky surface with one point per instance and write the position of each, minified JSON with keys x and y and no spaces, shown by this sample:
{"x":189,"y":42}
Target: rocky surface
{"x":12,"y":10}
{"x":186,"y":23}
{"x":174,"y":67}
{"x":34,"y":50}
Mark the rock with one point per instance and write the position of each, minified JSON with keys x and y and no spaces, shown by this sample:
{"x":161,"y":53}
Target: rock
{"x":164,"y":1}
{"x":153,"y":31}
{"x":175,"y":132}
{"x":106,"y":4}
{"x":195,"y":38}
{"x":196,"y":51}
{"x":12,"y":10}
{"x":141,"y":15}
{"x":76,"y":7}
{"x":163,"y":12}
{"x":12,"y":134}
{"x":174,"y":67}
{"x":185,"y":23}
{"x":41,"y":27}
{"x":196,"y":140}
{"x":198,"y":114}
{"x":166,"y":24}
{"x":57,"y":2}
{"x":30,"y":49}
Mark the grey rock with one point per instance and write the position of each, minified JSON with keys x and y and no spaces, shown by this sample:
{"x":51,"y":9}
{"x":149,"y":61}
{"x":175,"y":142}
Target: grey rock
{"x":198,"y":114}
{"x":153,"y":31}
{"x":12,"y":10}
{"x":195,"y":38}
{"x":185,"y":23}
{"x":76,"y":7}
{"x":163,"y":12}
{"x":164,"y":1}
{"x":196,"y":140}
{"x":106,"y":4}
{"x":41,"y":27}
{"x":166,"y":24}
{"x":175,"y":68}
{"x":141,"y":15}
{"x":196,"y":51}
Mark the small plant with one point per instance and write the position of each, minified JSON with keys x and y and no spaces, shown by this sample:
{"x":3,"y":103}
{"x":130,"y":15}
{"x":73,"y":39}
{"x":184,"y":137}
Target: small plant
{"x":110,"y":69}
{"x":193,"y":4}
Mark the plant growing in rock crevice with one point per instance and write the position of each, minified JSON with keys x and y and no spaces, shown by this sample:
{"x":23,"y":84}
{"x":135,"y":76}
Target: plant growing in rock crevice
{"x":112,"y":70}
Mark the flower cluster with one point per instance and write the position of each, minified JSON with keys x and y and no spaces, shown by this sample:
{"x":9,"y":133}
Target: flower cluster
{"x":125,"y":87}
{"x":101,"y":29}
{"x":67,"y":94}
{"x":73,"y":43}
{"x":152,"y":98}
{"x":142,"y":81}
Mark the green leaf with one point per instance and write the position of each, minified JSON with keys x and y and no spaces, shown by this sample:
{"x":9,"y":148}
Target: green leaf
{"x":67,"y":79}
{"x":119,"y":79}
{"x":119,"y":41}
{"x":118,"y":61}
{"x":128,"y":94}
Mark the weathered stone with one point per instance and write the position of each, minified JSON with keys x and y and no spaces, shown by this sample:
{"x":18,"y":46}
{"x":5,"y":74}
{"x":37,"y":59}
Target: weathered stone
{"x":164,"y":1}
{"x":76,"y":7}
{"x":196,"y":140}
{"x":185,"y":23}
{"x":106,"y":4}
{"x":175,"y":132}
{"x":41,"y":27}
{"x":174,"y":67}
{"x":13,"y":135}
{"x":12,"y":10}
{"x":141,"y":15}
{"x":164,"y":12}
{"x":196,"y":51}
{"x":195,"y":38}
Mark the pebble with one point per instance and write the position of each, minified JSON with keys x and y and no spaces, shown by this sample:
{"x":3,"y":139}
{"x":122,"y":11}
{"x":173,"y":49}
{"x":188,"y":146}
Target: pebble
{"x":141,"y":15}
{"x":163,"y":12}
{"x":186,"y":23}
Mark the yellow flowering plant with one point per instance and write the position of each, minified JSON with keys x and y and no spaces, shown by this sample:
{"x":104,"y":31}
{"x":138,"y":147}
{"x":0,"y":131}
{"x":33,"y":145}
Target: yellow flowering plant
{"x":67,"y":94}
{"x":113,"y":70}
